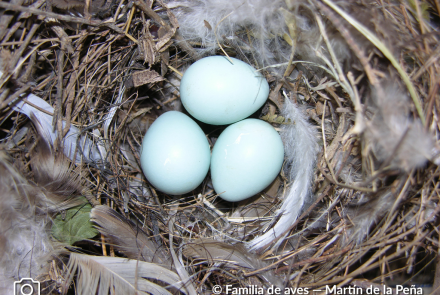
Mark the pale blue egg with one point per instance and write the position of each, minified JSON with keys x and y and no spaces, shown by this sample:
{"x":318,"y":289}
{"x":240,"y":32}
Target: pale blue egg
{"x":216,"y":91}
{"x":175,"y":154}
{"x":246,"y":158}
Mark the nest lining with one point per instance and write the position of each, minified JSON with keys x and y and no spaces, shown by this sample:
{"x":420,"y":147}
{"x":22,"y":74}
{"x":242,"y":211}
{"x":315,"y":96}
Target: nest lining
{"x":371,"y":219}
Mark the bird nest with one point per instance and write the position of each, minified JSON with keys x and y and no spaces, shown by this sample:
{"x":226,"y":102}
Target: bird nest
{"x":81,"y":82}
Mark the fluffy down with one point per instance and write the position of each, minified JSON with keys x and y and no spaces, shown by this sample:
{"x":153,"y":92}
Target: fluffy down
{"x":26,"y":207}
{"x":24,"y":242}
{"x":258,"y":30}
{"x":396,"y":138}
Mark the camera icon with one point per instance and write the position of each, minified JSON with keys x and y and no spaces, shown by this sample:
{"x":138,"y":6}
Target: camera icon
{"x":26,"y":286}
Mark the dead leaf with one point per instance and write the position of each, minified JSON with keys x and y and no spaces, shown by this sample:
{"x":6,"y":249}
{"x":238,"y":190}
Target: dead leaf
{"x":273,"y":118}
{"x":275,"y":96}
{"x":145,"y":77}
{"x":147,"y":46}
{"x":161,"y":32}
{"x":290,"y":20}
{"x":165,"y":57}
{"x":207,"y":25}
{"x":320,"y":109}
{"x":165,"y":40}
{"x":172,"y":19}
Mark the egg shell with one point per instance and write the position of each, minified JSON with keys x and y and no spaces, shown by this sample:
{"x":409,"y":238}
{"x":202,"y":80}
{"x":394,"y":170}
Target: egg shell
{"x":175,"y":154}
{"x":246,"y":158}
{"x":216,"y":91}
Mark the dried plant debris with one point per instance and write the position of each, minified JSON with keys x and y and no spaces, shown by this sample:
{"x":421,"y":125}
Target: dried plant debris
{"x":354,"y":95}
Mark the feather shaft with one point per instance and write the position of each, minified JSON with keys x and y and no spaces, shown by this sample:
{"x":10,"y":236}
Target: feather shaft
{"x":127,"y":236}
{"x":118,"y":275}
{"x":41,"y":112}
{"x":301,"y":148}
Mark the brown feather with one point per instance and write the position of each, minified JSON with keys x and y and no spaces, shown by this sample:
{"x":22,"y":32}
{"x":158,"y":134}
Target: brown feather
{"x":58,"y":179}
{"x":127,"y":237}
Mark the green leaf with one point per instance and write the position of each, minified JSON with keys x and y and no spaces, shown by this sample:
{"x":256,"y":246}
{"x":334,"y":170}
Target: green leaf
{"x":75,"y":226}
{"x":279,"y":119}
{"x":276,"y":119}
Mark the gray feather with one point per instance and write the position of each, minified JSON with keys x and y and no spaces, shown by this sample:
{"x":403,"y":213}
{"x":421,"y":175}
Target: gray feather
{"x":301,"y":148}
{"x":101,"y":275}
